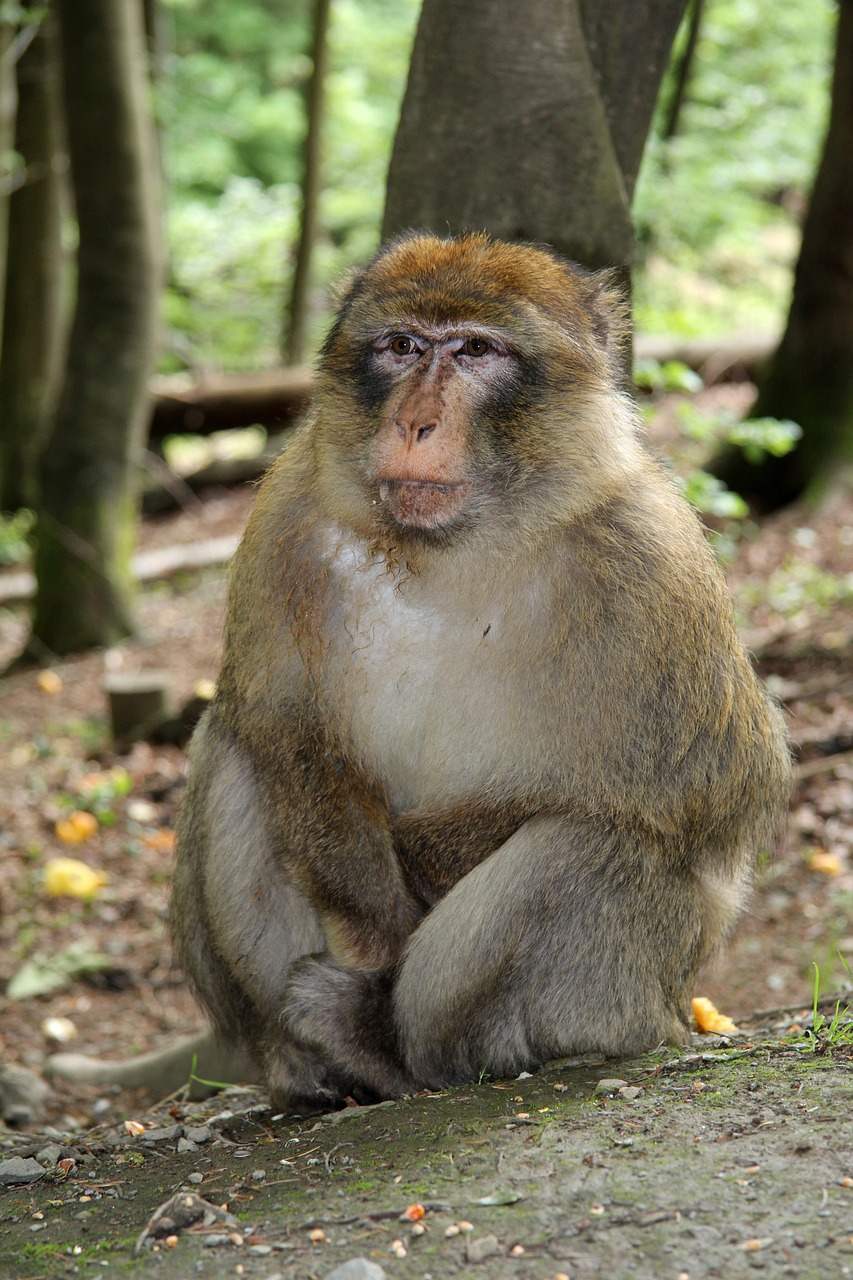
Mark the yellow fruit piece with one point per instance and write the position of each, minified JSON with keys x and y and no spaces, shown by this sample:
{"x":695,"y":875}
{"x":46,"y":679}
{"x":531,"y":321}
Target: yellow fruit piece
{"x":829,"y":863}
{"x":709,"y":1018}
{"x":77,"y":827}
{"x":49,"y":681}
{"x":68,"y":877}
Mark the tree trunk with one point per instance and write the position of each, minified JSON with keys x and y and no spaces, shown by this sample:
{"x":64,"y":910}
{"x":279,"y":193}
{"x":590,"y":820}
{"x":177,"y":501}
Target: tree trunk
{"x":293,"y":346}
{"x":529,"y":121}
{"x":8,"y":106}
{"x":32,"y":316}
{"x":88,"y":507}
{"x":629,"y":43}
{"x":810,"y":378}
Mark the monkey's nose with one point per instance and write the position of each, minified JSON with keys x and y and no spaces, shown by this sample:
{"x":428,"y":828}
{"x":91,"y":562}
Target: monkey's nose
{"x":415,"y":432}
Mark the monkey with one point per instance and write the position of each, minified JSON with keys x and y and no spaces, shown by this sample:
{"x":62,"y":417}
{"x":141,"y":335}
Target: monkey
{"x":487,"y":769}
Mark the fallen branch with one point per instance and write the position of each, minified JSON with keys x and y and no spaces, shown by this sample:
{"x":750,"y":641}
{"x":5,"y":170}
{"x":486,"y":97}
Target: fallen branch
{"x":734,"y":358}
{"x":221,"y":402}
{"x":162,"y":562}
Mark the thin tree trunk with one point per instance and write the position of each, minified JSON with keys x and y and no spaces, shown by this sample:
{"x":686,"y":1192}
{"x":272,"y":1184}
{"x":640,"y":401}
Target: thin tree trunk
{"x":293,"y":346}
{"x":810,"y":378}
{"x":8,"y":106}
{"x":32,"y":316}
{"x":682,"y":72}
{"x":89,"y":501}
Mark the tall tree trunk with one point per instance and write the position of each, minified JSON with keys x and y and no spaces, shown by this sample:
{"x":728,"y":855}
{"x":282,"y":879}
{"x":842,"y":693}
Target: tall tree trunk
{"x":8,"y":105}
{"x":293,"y":346}
{"x":810,"y":378}
{"x":682,"y":72}
{"x":32,"y":316}
{"x":88,"y":479}
{"x":529,"y":121}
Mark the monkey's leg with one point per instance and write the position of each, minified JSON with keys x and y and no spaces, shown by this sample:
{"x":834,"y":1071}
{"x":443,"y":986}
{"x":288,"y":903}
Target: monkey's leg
{"x":569,"y":939}
{"x":240,"y":921}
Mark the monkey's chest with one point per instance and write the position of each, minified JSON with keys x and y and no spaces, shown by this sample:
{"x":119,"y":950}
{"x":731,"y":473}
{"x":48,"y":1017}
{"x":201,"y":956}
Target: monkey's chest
{"x":435,"y":703}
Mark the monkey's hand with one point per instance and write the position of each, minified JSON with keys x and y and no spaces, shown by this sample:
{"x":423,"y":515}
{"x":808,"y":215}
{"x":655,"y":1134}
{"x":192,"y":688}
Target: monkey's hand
{"x":346,"y":1016}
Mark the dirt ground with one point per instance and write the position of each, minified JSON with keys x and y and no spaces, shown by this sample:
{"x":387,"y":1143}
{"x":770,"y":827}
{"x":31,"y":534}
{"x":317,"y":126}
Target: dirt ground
{"x":711,"y":1155}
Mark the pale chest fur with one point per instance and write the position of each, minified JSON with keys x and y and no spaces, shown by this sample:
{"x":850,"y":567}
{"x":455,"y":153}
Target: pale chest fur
{"x":431,"y":688}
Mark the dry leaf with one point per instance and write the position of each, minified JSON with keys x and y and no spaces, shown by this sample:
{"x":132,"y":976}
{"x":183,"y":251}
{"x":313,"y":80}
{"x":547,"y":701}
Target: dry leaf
{"x":162,"y":841}
{"x":49,"y":681}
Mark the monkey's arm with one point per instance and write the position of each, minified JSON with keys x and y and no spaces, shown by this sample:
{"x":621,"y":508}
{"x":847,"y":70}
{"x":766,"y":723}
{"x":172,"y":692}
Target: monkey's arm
{"x":572,"y":937}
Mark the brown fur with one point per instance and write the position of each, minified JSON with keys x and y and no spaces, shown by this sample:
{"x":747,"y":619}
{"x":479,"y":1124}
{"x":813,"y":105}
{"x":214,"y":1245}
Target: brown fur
{"x":488,"y":768}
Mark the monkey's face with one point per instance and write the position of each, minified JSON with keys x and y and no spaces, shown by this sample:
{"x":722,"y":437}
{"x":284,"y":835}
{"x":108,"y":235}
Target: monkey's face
{"x":448,"y":381}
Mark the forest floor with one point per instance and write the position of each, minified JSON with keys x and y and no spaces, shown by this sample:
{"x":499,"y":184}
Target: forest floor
{"x":731,"y":1158}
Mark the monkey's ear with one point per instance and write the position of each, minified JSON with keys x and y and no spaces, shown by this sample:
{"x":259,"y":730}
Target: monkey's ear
{"x":610,"y":314}
{"x":342,"y":290}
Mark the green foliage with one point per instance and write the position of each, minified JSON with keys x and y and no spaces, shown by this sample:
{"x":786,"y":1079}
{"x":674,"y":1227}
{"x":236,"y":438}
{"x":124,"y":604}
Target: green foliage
{"x":226,"y":289}
{"x":716,"y":206}
{"x":15,"y":532}
{"x":231,"y":103}
{"x":828,"y":1032}
{"x":711,"y":496}
{"x":797,"y":585}
{"x":759,"y":436}
{"x":756,"y":436}
{"x":672,"y":375}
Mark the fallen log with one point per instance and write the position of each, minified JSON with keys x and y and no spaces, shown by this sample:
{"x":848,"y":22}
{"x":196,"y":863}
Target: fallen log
{"x":160,"y":562}
{"x":274,"y":398}
{"x":221,"y":402}
{"x":732,"y":358}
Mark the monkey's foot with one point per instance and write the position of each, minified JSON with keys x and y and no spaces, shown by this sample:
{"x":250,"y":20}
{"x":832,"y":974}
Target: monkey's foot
{"x":345,"y":1015}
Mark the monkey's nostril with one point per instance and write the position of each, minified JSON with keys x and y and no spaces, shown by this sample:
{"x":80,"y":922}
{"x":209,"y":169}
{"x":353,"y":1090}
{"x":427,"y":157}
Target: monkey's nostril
{"x":423,"y":432}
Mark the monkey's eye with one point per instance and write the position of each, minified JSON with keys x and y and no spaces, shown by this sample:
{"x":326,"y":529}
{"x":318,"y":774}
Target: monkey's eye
{"x":402,"y":345}
{"x":475,"y":347}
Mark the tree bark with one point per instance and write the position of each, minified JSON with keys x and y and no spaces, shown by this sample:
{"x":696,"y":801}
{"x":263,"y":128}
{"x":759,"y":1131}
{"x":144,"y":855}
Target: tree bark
{"x":529,"y":121}
{"x":629,"y":43}
{"x":32,"y":315}
{"x":293,"y":346}
{"x":8,"y":107}
{"x":810,"y":378}
{"x":88,"y":479}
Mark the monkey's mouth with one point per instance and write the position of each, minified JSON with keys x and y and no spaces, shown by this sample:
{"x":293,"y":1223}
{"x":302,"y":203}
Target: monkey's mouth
{"x":424,"y":504}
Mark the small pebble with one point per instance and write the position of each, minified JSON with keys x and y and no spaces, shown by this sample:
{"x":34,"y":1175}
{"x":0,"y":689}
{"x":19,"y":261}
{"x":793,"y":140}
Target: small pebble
{"x":198,"y":1133}
{"x":170,"y":1134}
{"x":51,"y":1154}
{"x":482,"y":1247}
{"x":610,"y":1086}
{"x":16,"y":1171}
{"x":357,"y":1269}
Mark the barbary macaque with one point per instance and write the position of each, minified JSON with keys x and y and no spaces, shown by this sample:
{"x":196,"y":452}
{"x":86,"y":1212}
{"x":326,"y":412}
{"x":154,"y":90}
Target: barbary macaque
{"x":488,"y":767}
